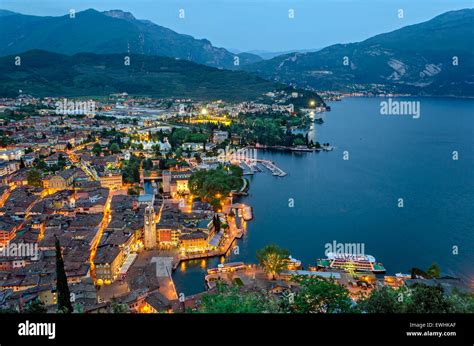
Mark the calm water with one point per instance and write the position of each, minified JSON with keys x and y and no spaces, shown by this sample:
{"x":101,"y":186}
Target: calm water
{"x":355,"y":201}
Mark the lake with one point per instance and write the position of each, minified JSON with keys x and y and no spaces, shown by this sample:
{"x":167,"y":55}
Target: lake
{"x":391,"y":157}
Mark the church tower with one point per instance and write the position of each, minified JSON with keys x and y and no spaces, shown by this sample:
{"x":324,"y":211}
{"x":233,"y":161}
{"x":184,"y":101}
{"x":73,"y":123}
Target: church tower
{"x":150,"y":228}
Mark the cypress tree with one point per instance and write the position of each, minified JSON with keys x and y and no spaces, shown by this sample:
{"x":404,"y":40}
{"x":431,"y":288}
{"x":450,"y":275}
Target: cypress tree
{"x":217,"y":223}
{"x":62,"y":289}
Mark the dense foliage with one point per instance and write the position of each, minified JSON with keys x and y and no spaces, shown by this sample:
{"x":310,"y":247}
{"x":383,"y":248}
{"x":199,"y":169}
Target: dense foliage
{"x":214,"y":185}
{"x":270,"y":129}
{"x":232,"y":300}
{"x":51,"y":74}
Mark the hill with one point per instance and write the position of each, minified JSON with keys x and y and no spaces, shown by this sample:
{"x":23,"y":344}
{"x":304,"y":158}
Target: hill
{"x":44,"y":73}
{"x":108,"y":32}
{"x":417,"y":59}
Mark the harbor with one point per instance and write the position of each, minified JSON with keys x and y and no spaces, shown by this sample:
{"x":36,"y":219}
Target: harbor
{"x":331,"y":200}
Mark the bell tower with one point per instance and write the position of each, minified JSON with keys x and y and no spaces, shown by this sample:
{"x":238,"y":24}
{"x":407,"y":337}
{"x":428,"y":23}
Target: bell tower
{"x":150,"y":228}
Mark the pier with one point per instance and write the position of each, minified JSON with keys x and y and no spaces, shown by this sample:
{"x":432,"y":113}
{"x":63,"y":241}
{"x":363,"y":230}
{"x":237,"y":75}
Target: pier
{"x":277,"y":171}
{"x":247,"y":168}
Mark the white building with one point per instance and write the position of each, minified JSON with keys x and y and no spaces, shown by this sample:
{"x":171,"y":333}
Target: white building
{"x":11,"y":154}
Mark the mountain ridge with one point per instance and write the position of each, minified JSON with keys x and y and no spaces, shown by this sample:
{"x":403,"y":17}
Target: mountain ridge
{"x":415,"y":59}
{"x":108,"y":32}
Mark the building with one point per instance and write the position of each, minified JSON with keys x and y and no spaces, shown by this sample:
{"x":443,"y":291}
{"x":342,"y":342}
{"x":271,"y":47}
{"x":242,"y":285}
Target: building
{"x":107,"y":263}
{"x":219,"y":136}
{"x":194,"y":242}
{"x":8,"y":228}
{"x":168,"y":235}
{"x":29,"y":159}
{"x":235,"y":139}
{"x":176,"y":183}
{"x":8,"y":167}
{"x":112,"y":180}
{"x":11,"y":154}
{"x":191,"y":146}
{"x":62,"y":181}
{"x":150,"y":228}
{"x":52,"y":160}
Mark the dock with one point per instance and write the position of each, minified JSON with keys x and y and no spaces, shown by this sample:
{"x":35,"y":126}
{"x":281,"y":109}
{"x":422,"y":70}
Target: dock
{"x":247,"y":169}
{"x":277,"y":171}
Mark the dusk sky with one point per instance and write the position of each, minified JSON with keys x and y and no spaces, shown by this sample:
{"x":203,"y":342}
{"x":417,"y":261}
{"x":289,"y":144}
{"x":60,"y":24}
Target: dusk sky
{"x":262,"y":24}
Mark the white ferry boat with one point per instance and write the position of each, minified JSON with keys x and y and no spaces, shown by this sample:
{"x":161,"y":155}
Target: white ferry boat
{"x":362,"y":263}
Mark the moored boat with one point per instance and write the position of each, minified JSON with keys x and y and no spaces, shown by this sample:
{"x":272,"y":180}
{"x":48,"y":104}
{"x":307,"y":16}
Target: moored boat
{"x":345,"y":261}
{"x":227,"y":267}
{"x":293,"y":263}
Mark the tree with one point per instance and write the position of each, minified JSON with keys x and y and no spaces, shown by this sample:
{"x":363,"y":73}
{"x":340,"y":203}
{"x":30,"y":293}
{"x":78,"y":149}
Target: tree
{"x":8,"y":310}
{"x":197,"y":157}
{"x":273,"y":259}
{"x":147,"y":164}
{"x":382,"y":300}
{"x":61,"y":161}
{"x":214,"y":186}
{"x":120,"y":308}
{"x":64,"y":302}
{"x":232,"y":300}
{"x":434,"y":271}
{"x":298,"y":141}
{"x":216,"y":221}
{"x":133,"y":190}
{"x":34,"y":178}
{"x":131,"y":170}
{"x":461,"y":302}
{"x":115,"y":148}
{"x":97,"y":149}
{"x":427,"y":299}
{"x":35,"y":307}
{"x":319,"y":295}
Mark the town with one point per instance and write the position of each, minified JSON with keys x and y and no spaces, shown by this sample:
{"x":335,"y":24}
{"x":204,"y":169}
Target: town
{"x":110,"y":180}
{"x":123,"y":189}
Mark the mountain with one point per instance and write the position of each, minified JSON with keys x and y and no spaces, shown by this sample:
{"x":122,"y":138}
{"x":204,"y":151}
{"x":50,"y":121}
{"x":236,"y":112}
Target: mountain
{"x":416,"y":59}
{"x":108,"y":32}
{"x":266,"y":55}
{"x":44,"y":73}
